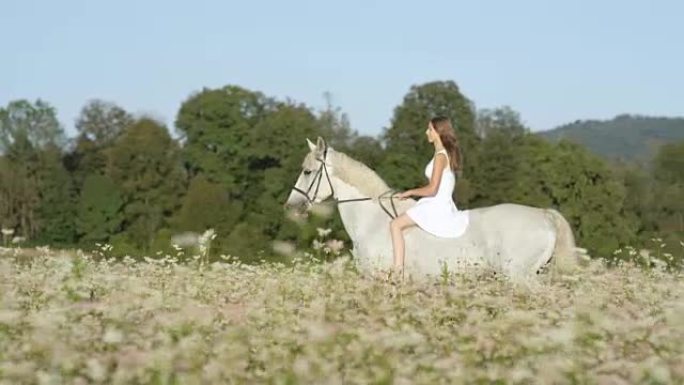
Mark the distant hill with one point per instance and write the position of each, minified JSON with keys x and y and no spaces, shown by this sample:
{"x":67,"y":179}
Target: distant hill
{"x":626,"y":137}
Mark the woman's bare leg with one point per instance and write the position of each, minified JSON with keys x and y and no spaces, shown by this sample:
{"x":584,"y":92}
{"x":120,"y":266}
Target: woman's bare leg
{"x":397,"y":227}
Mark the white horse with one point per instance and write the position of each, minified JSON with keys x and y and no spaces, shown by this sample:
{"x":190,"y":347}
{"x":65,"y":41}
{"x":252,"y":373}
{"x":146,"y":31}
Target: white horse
{"x":512,"y":239}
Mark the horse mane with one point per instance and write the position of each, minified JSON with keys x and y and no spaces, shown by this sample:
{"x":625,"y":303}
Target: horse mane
{"x":359,"y":175}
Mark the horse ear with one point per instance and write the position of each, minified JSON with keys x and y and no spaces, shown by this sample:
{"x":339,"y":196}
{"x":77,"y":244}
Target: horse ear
{"x":312,"y":146}
{"x":320,"y":144}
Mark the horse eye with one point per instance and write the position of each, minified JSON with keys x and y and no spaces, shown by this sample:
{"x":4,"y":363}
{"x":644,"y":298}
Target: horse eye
{"x":307,"y":172}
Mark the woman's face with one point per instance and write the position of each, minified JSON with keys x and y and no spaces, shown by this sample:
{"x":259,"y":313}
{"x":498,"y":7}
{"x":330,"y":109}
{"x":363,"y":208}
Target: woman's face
{"x":430,"y":133}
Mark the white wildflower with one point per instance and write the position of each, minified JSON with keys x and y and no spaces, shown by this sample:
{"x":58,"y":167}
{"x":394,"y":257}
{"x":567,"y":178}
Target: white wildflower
{"x":317,"y":245}
{"x":204,"y":242}
{"x":335,"y":245}
{"x":96,"y":371}
{"x":283,"y":248}
{"x":323,"y":232}
{"x":186,"y":239}
{"x":9,"y":317}
{"x":112,"y":336}
{"x":322,"y":210}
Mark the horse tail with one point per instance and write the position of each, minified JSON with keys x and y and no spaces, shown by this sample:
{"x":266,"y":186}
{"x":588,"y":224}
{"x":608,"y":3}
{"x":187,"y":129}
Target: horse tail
{"x":565,"y":253}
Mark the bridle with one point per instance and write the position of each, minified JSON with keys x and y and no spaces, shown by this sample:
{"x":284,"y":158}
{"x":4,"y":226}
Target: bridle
{"x":318,"y":178}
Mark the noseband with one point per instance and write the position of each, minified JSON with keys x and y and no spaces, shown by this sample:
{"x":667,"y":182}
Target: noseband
{"x":318,"y":178}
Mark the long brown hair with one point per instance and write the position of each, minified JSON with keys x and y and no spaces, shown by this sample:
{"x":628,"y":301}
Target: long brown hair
{"x":447,"y":135}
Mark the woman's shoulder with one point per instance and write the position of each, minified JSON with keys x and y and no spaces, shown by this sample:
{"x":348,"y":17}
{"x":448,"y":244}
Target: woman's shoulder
{"x":443,"y":152}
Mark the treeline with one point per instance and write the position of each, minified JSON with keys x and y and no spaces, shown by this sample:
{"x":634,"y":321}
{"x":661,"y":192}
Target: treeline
{"x":125,"y":181}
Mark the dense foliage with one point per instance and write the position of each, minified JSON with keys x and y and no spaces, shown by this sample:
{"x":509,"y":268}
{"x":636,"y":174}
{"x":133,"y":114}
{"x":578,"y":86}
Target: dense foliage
{"x":129,"y":182}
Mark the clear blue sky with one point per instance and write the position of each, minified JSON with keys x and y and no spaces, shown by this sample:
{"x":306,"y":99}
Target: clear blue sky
{"x":552,"y":61}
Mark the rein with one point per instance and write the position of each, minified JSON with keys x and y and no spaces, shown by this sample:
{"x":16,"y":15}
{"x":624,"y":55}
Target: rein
{"x":319,"y":177}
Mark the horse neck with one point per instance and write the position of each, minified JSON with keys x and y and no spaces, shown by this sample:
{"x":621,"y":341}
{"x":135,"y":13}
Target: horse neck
{"x":356,"y":175}
{"x":355,"y":215}
{"x":360,"y":218}
{"x":344,"y":190}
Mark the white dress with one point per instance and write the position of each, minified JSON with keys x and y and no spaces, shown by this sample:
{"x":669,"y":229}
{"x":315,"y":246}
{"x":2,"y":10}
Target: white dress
{"x":438,"y":214}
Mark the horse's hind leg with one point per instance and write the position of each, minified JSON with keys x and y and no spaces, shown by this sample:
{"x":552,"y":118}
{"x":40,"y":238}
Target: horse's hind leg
{"x":527,"y":267}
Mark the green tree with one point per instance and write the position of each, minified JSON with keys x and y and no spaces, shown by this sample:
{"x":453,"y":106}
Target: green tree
{"x":216,"y":128}
{"x":669,"y":163}
{"x":502,"y":120}
{"x":206,"y":205}
{"x":98,"y":125}
{"x":26,"y":125}
{"x":56,"y":211}
{"x":85,"y":158}
{"x":668,"y":173}
{"x":496,"y":176}
{"x":406,"y":150}
{"x":335,"y":126}
{"x":367,"y":150}
{"x":102,"y":122}
{"x":251,"y":147}
{"x":99,"y":211}
{"x":248,"y":245}
{"x":584,"y":188}
{"x":498,"y":159}
{"x":11,"y":196}
{"x":26,"y":130}
{"x":639,"y":200}
{"x":144,"y":162}
{"x":278,"y":147}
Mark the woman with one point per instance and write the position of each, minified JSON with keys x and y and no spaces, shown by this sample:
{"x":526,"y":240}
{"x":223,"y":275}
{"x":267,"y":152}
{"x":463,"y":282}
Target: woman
{"x":436,"y":211}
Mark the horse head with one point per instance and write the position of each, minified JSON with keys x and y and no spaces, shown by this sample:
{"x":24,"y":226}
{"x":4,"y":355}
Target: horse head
{"x":314,"y":184}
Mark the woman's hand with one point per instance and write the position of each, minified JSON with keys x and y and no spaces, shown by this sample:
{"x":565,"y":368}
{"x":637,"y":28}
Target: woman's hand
{"x":404,"y":195}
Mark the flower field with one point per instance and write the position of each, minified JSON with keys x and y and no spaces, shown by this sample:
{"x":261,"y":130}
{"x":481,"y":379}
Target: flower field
{"x":73,"y":319}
